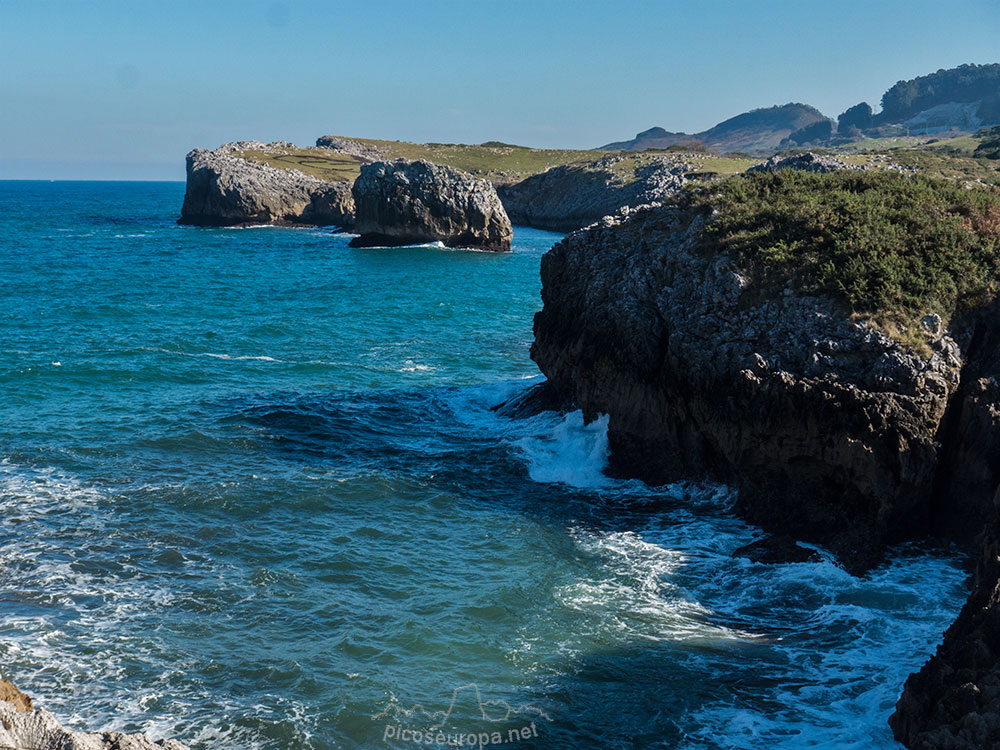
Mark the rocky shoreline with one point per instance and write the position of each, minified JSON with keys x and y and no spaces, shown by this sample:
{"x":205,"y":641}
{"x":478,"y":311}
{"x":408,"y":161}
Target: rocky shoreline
{"x":832,"y":431}
{"x":225,"y":189}
{"x":26,"y":727}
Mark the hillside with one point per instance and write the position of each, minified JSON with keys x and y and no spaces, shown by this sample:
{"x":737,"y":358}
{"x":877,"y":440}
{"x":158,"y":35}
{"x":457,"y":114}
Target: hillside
{"x":759,"y":131}
{"x":958,"y":100}
{"x":942,"y":94}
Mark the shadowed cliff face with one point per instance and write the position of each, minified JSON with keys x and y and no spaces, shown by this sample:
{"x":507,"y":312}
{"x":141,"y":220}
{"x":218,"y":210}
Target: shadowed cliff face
{"x":565,"y":198}
{"x":953,"y":703}
{"x":225,"y":190}
{"x":831,"y":431}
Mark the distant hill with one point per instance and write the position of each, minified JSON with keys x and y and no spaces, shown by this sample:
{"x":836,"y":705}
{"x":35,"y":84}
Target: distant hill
{"x":757,"y":132}
{"x":965,"y":98}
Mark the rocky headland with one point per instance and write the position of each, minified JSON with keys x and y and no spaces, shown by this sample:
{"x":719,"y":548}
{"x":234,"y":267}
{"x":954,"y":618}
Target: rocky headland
{"x":568,"y":197}
{"x":224,"y":189}
{"x":25,"y":727}
{"x":740,"y":333}
{"x":406,"y":203}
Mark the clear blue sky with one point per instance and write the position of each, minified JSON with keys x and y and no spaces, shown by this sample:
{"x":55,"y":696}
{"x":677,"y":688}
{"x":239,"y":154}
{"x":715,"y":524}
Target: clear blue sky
{"x":106,"y":90}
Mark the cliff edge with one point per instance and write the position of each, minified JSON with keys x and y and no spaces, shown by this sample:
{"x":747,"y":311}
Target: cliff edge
{"x":224,"y":190}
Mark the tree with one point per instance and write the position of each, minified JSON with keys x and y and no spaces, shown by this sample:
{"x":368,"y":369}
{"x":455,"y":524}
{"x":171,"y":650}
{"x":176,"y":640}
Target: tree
{"x":818,"y":131}
{"x":859,"y":116}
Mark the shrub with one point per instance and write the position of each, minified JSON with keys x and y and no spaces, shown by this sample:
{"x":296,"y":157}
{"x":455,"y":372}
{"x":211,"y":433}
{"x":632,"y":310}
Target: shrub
{"x":989,"y":146}
{"x":886,"y":245}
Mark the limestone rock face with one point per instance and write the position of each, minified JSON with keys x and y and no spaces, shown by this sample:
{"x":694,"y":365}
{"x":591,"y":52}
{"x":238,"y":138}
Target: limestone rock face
{"x":572,"y":196}
{"x":404,"y":203}
{"x":830,"y":430}
{"x":27,"y":729}
{"x":9,"y":693}
{"x":808,"y":162}
{"x":224,"y":190}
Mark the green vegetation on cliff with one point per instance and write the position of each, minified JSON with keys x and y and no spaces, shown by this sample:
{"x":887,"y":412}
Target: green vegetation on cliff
{"x":889,"y":246}
{"x":496,"y":161}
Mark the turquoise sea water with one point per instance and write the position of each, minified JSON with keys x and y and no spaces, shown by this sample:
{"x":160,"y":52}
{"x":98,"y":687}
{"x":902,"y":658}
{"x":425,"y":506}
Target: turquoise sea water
{"x":253,"y":496}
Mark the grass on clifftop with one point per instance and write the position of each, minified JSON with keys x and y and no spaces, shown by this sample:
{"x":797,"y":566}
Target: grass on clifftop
{"x":888,"y":246}
{"x":499,"y":162}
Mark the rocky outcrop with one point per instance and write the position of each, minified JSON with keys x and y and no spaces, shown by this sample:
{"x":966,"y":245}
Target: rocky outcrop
{"x":832,"y":431}
{"x":25,"y":728}
{"x":224,"y":190}
{"x":565,"y":198}
{"x":808,"y":162}
{"x":406,"y":203}
{"x":351,"y":147}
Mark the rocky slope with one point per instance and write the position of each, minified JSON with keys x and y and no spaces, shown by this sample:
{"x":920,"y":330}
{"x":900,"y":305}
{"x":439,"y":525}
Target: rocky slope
{"x":831,"y":430}
{"x":565,"y":198}
{"x":224,"y":190}
{"x":406,"y":203}
{"x":23,"y":727}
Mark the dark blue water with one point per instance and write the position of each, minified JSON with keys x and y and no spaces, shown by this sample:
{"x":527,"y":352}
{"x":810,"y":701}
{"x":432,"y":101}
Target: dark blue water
{"x":253,"y":496}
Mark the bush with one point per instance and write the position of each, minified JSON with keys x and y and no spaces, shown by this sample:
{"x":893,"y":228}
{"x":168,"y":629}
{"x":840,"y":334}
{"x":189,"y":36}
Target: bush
{"x":885,"y":245}
{"x":989,"y":147}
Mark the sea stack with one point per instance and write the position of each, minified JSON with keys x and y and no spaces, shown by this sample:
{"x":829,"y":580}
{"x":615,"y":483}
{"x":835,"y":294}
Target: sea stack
{"x":413,"y":202}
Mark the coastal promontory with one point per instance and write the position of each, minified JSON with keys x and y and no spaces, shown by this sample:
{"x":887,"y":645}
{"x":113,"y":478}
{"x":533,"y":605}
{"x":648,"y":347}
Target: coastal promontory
{"x":827,"y":344}
{"x":224,"y":189}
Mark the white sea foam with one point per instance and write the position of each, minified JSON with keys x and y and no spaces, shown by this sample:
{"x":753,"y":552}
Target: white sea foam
{"x":633,"y":594}
{"x":411,"y":366}
{"x":568,"y":451}
{"x":214,"y":355}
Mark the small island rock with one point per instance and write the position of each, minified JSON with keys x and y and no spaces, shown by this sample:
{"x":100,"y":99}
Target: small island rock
{"x":406,"y":203}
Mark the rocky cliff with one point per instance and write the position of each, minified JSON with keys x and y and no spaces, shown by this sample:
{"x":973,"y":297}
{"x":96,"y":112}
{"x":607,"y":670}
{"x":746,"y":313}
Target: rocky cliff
{"x":953,"y":703}
{"x":827,"y":426}
{"x":406,"y":203}
{"x":23,"y":727}
{"x":224,"y":189}
{"x":832,"y":430}
{"x":568,"y":197}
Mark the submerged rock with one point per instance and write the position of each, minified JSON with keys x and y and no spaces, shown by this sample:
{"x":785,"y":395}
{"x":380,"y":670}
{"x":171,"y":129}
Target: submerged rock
{"x":775,"y":550}
{"x":25,"y":728}
{"x":406,"y":203}
{"x":225,"y":190}
{"x":572,"y":196}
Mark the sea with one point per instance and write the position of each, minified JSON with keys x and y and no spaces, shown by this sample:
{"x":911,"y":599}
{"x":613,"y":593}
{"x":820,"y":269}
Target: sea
{"x":253,"y":494}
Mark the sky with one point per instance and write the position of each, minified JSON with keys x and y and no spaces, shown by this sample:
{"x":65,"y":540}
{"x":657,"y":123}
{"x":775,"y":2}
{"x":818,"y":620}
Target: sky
{"x":123,"y":90}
